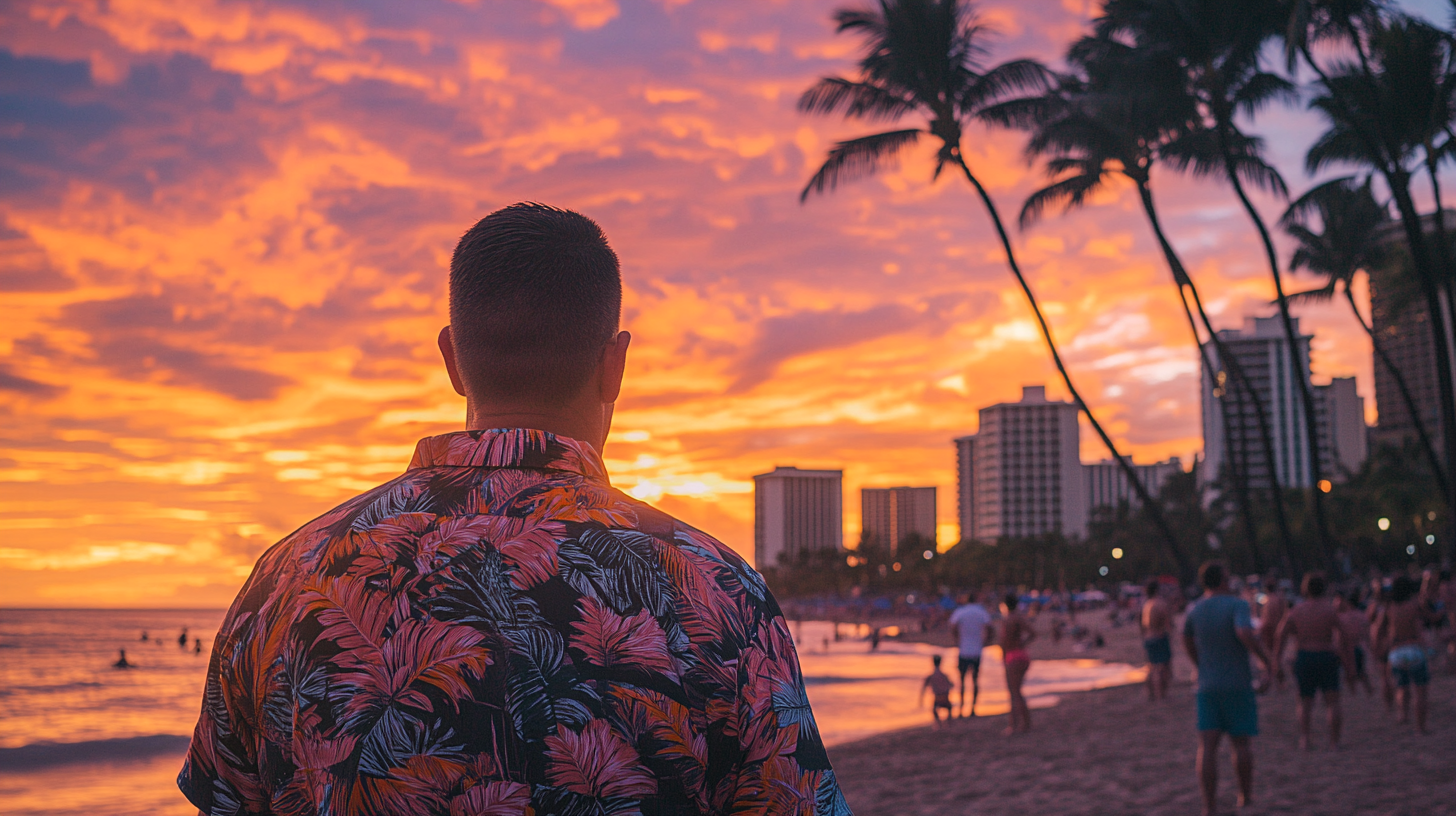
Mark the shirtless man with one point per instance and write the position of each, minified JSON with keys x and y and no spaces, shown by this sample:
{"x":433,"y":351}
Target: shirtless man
{"x":1270,"y":619}
{"x":1156,"y":624}
{"x":1401,"y":626}
{"x":1016,"y":635}
{"x":1314,"y":625}
{"x":1356,"y":629}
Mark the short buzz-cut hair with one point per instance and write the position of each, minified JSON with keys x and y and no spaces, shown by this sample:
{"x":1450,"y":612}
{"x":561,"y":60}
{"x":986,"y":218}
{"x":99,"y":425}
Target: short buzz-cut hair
{"x":1212,"y":575}
{"x":1313,"y":585}
{"x":535,"y":295}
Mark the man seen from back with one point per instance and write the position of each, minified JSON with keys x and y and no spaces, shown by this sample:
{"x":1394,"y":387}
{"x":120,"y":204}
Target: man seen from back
{"x":1218,"y":634}
{"x":498,"y":630}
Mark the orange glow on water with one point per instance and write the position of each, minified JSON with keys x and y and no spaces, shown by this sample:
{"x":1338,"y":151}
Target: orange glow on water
{"x":225,"y":228}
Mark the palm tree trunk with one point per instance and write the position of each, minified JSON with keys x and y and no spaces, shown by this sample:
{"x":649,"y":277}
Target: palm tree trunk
{"x":1182,"y":278}
{"x":1185,"y":567}
{"x":1415,"y":237}
{"x":1399,"y":182}
{"x":1310,"y":418}
{"x":1405,"y":396}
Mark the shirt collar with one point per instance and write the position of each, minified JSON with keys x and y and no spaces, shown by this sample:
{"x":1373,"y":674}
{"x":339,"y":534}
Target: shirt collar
{"x":510,"y":448}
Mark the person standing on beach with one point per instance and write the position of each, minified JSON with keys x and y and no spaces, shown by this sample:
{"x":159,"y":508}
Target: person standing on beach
{"x":1323,"y":652}
{"x":1270,"y":617}
{"x":1218,"y":633}
{"x":1402,"y":625}
{"x":1376,"y":612}
{"x":1016,"y":635}
{"x":1356,"y":632}
{"x":1156,"y":622}
{"x":498,"y":629}
{"x":970,"y":625}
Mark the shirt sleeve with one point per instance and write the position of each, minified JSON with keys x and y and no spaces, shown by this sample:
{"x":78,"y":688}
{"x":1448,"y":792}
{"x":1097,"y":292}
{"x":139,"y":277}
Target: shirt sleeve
{"x":220,"y":774}
{"x":1243,"y":618}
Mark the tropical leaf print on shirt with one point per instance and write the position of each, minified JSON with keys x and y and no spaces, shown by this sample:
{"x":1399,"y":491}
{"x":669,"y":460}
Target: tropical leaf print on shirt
{"x":498,"y":631}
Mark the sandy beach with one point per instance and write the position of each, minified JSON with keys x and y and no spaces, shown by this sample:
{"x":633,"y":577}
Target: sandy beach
{"x":1111,"y":752}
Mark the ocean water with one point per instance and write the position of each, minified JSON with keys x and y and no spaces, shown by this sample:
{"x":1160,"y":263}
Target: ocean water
{"x":80,"y":737}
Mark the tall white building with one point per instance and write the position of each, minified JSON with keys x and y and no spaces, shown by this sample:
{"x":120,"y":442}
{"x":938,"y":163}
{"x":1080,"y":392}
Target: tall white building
{"x":1108,"y":485}
{"x":1344,"y":443}
{"x":795,"y":513}
{"x":1025,"y":477}
{"x":892,"y":514}
{"x":1262,"y":351}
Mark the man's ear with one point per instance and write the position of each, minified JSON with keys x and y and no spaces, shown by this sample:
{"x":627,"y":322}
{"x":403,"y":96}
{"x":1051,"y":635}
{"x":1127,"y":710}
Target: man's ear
{"x":447,"y":350}
{"x":613,"y":366}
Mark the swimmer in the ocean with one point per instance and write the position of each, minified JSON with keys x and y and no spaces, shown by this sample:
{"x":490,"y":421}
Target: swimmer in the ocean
{"x":121,"y":662}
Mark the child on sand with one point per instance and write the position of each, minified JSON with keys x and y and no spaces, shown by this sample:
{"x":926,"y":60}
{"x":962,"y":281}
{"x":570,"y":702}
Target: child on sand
{"x":939,"y":684}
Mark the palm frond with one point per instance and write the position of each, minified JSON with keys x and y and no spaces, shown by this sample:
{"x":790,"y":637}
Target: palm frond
{"x":857,"y":158}
{"x":1261,"y":89}
{"x":856,"y":100}
{"x":1321,"y":295}
{"x":1067,"y":193}
{"x":1023,"y":75}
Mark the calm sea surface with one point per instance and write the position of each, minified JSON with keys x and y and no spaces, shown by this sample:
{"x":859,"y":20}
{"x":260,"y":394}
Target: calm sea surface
{"x":80,"y":737}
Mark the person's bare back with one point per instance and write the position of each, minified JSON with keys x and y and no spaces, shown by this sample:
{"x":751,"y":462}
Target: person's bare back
{"x":1156,"y":621}
{"x":1403,"y":624}
{"x":1314,"y":625}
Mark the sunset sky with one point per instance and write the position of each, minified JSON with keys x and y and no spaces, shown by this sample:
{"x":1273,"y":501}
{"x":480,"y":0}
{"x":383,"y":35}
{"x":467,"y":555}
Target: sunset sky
{"x":225,"y":226}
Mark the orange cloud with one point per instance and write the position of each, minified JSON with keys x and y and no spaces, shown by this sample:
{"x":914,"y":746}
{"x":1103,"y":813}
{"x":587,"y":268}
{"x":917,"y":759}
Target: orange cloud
{"x":224,"y":231}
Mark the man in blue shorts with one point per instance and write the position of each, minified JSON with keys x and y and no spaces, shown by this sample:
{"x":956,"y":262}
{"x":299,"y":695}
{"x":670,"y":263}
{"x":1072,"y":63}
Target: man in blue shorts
{"x":1219,"y":636}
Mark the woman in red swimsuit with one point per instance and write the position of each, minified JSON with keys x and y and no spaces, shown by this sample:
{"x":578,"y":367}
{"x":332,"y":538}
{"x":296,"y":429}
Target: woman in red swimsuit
{"x":1016,"y":634}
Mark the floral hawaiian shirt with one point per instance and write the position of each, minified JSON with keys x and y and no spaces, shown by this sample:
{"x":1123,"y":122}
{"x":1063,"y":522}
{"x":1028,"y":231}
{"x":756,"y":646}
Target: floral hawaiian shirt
{"x":499,"y":631}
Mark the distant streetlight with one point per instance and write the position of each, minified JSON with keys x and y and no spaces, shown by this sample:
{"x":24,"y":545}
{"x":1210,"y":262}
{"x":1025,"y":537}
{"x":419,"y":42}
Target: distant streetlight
{"x":1102,"y":571}
{"x":1383,"y":523}
{"x":1410,"y":549}
{"x":897,"y":566}
{"x":928,"y":554}
{"x":1116,"y":552}
{"x":1431,"y":516}
{"x":1430,"y":539}
{"x":1325,"y":486}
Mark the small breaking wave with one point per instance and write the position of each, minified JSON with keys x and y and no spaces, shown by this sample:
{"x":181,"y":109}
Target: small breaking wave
{"x":50,"y":754}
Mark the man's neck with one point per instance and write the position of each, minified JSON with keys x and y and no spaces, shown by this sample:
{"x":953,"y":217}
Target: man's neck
{"x":569,"y":424}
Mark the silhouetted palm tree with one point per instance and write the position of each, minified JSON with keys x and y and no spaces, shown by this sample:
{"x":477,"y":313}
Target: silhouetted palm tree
{"x":1215,"y":46}
{"x":923,"y":57}
{"x":1108,"y":121}
{"x":1350,"y":240}
{"x":1391,"y":114}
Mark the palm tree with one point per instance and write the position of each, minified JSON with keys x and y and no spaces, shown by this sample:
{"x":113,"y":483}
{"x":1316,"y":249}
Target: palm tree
{"x":1100,"y":124}
{"x":1385,"y":114}
{"x":1351,"y":223}
{"x":924,"y":57}
{"x":1215,"y":46}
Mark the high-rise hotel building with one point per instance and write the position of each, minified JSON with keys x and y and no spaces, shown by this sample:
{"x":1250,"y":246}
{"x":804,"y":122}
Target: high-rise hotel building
{"x":890,"y":515}
{"x":1020,"y":474}
{"x":1231,"y":421}
{"x":796,"y":512}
